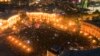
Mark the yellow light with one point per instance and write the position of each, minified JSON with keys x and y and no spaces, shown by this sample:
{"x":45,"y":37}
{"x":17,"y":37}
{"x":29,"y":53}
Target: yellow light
{"x":14,"y":28}
{"x":1,"y":0}
{"x":65,"y":28}
{"x":55,"y":24}
{"x":47,"y":21}
{"x":57,"y":20}
{"x":1,"y":24}
{"x":9,"y":0}
{"x":12,"y":39}
{"x":90,"y":37}
{"x":40,"y":20}
{"x":5,"y":0}
{"x":16,"y":41}
{"x":53,"y":19}
{"x":85,"y":34}
{"x":24,"y":46}
{"x":58,"y":25}
{"x":41,"y":17}
{"x":81,"y":31}
{"x":94,"y":41}
{"x":71,"y":23}
{"x":28,"y":49}
{"x":61,"y":26}
{"x":9,"y":37}
{"x":74,"y":30}
{"x":20,"y":44}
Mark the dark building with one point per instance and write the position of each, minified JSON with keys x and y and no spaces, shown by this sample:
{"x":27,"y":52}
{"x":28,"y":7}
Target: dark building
{"x":20,"y":2}
{"x":15,"y":2}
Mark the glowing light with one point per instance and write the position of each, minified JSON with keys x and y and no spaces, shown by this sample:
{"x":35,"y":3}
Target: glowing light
{"x":57,"y":20}
{"x":1,"y":0}
{"x":55,"y":24}
{"x":65,"y":28}
{"x":61,"y":26}
{"x":24,"y":46}
{"x":94,"y":41}
{"x":71,"y":23}
{"x":16,"y":41}
{"x":28,"y":49}
{"x":14,"y":28}
{"x":37,"y":25}
{"x":90,"y":37}
{"x":43,"y":17}
{"x":47,"y":21}
{"x":12,"y":39}
{"x":1,"y":24}
{"x":85,"y":34}
{"x":90,"y":29}
{"x":20,"y":44}
{"x":81,"y":31}
{"x":50,"y":19}
{"x":74,"y":30}
{"x":28,"y":41}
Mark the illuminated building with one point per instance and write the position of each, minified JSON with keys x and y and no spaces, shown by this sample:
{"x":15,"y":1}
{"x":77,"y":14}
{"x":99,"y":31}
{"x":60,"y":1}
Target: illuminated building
{"x":5,"y":1}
